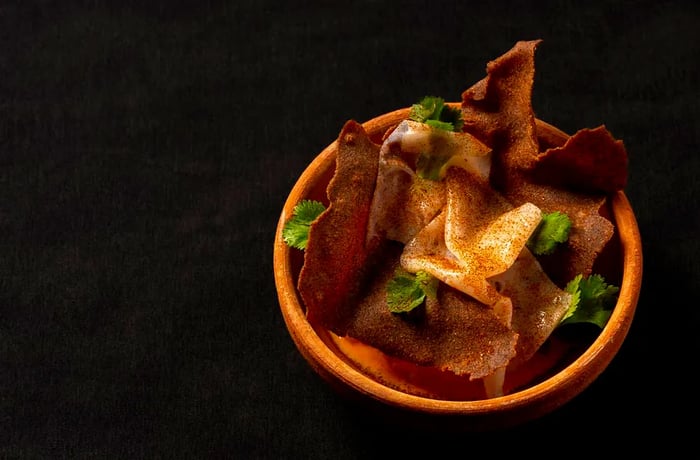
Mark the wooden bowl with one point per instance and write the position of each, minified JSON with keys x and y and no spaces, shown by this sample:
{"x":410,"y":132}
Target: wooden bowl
{"x":334,"y":365}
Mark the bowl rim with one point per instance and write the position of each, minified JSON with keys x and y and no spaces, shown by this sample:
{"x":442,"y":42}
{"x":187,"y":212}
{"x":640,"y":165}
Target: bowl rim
{"x":551,"y":392}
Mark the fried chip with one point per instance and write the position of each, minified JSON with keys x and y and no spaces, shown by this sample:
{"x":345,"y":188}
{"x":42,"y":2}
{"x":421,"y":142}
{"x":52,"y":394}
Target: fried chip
{"x":343,"y":282}
{"x":453,"y":332}
{"x":381,"y":217}
{"x":591,"y":160}
{"x":499,"y":109}
{"x":336,"y":254}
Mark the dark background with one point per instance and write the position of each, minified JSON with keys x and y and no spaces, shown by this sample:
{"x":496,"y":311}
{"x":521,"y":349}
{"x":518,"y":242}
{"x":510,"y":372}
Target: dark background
{"x":146,"y":150}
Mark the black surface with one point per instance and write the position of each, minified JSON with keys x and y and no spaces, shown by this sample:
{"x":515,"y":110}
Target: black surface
{"x":146,"y":152}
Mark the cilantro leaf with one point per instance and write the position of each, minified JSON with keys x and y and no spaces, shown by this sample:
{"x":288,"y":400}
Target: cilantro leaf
{"x":444,"y":125}
{"x":406,"y":291}
{"x":429,"y":166}
{"x":552,"y":230}
{"x":296,"y":231}
{"x":434,"y":112}
{"x":593,"y":300}
{"x":427,"y":109}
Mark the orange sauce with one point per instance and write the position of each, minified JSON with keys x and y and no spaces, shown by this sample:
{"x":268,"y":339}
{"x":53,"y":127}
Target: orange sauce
{"x":434,"y":383}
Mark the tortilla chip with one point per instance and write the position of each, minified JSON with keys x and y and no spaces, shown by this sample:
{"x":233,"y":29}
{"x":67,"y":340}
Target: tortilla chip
{"x":499,"y":107}
{"x":336,"y":255}
{"x":343,"y":282}
{"x":453,"y":332}
{"x":352,"y":253}
{"x":590,"y":161}
{"x":498,"y":111}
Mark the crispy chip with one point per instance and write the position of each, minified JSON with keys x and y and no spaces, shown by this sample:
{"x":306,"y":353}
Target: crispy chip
{"x":591,"y":160}
{"x":343,"y":282}
{"x":352,"y":253}
{"x":453,"y":332}
{"x":336,"y":255}
{"x":498,"y":109}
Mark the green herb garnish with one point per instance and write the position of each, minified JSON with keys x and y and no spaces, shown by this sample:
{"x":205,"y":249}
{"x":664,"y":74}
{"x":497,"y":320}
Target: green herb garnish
{"x":406,"y":291}
{"x":552,"y":230}
{"x":434,"y":112}
{"x":296,"y":231}
{"x":592,"y":302}
{"x":429,"y":166}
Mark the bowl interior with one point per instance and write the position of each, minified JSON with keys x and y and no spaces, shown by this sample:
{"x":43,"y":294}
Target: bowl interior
{"x":575,"y":368}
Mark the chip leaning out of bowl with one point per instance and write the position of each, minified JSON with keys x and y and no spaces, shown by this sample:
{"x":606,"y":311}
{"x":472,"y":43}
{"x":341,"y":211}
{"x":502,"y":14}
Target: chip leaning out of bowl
{"x":459,"y":242}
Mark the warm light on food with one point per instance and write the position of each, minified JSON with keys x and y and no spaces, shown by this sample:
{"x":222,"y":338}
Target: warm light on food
{"x":456,"y":251}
